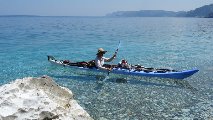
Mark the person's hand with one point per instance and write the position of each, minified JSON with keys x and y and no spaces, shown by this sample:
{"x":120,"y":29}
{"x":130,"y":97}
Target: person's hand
{"x":109,"y":69}
{"x":114,"y":56}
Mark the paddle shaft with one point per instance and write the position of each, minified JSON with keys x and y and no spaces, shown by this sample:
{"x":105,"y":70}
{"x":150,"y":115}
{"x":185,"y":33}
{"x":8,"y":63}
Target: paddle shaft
{"x":116,"y":51}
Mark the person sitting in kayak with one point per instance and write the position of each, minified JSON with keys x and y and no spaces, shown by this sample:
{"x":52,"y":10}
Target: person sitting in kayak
{"x":100,"y":59}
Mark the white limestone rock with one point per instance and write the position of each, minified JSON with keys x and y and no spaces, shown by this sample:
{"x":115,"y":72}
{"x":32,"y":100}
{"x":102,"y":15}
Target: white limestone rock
{"x":38,"y":98}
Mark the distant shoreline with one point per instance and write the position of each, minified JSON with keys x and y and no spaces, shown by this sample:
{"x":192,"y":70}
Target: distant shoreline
{"x":201,"y":12}
{"x":37,"y":16}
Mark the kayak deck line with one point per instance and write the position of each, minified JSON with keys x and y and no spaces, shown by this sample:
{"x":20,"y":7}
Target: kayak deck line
{"x":136,"y":71}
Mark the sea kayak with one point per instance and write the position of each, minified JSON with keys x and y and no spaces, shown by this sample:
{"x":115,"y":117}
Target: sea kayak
{"x":133,"y":71}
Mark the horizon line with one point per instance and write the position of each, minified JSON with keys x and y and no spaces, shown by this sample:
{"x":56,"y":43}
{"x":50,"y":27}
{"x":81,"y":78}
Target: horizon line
{"x":20,"y":15}
{"x":29,"y":15}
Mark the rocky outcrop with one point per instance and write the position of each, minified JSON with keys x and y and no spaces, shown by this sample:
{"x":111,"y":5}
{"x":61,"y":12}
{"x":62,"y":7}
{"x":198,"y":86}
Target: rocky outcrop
{"x":38,"y":98}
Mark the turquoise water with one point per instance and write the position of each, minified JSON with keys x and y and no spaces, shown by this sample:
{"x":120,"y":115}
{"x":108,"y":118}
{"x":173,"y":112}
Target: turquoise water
{"x":177,"y":43}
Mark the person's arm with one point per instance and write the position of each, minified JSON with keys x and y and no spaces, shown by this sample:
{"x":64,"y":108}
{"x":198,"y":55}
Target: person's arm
{"x":110,"y":59}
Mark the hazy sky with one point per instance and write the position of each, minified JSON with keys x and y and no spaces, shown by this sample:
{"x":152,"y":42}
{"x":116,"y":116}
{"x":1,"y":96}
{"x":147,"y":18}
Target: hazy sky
{"x":93,"y":7}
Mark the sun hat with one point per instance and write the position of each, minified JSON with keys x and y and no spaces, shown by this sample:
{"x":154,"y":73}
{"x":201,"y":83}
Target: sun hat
{"x":101,"y":50}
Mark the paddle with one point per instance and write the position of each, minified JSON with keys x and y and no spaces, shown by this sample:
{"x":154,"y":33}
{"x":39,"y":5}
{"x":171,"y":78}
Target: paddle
{"x":118,"y":47}
{"x":116,"y":51}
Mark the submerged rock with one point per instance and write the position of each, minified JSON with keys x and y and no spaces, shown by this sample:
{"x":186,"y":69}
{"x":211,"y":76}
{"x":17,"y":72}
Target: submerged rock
{"x":38,"y":98}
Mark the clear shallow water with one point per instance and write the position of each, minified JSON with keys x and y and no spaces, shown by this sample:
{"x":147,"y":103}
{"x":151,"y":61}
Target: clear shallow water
{"x":178,"y":43}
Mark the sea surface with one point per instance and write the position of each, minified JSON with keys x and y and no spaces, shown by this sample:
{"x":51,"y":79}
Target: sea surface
{"x":175,"y":43}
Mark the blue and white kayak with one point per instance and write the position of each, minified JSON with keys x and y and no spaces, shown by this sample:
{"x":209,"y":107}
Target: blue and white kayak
{"x":147,"y":72}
